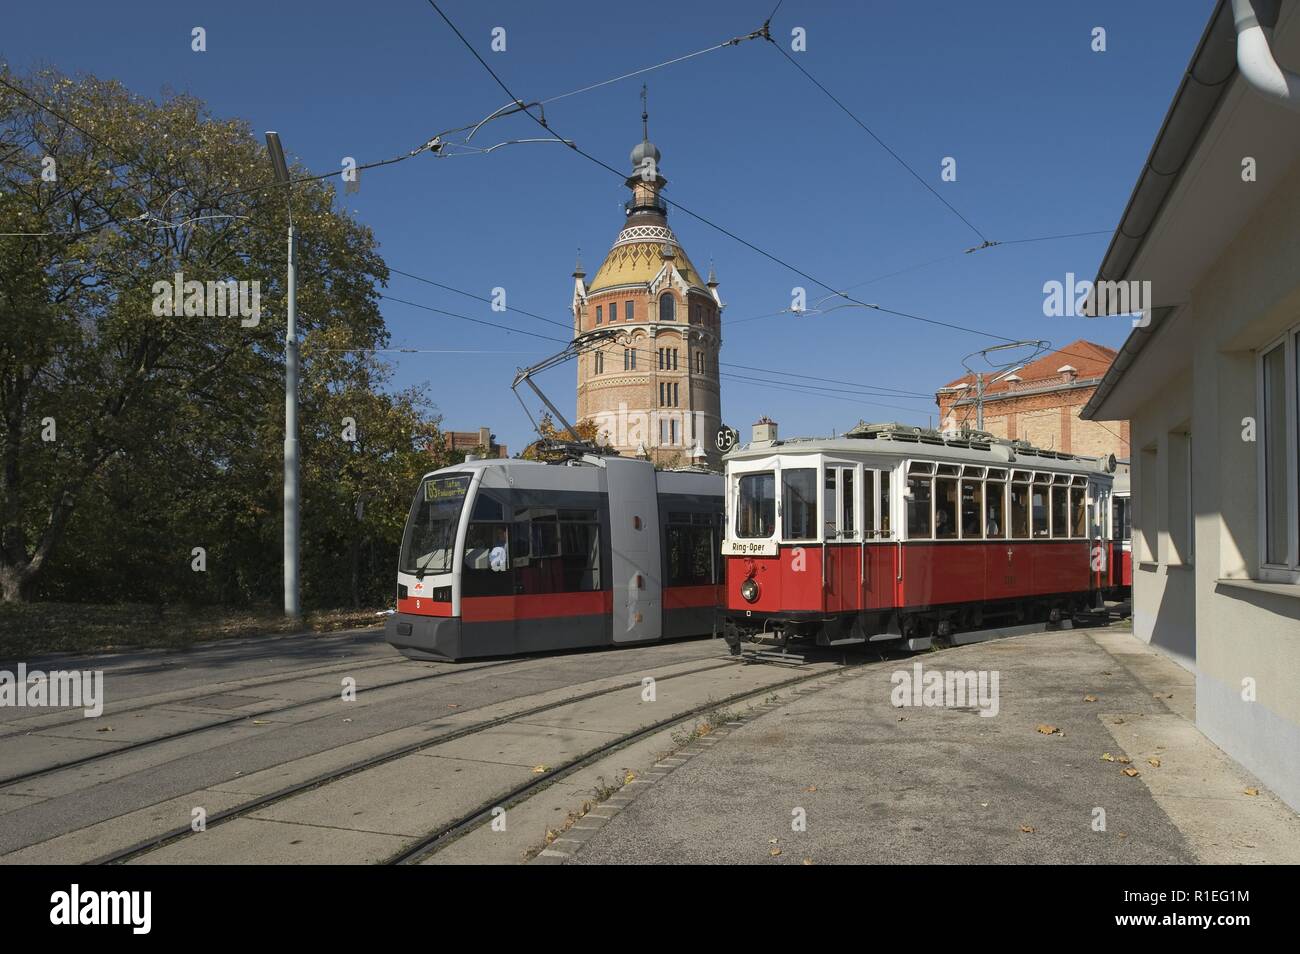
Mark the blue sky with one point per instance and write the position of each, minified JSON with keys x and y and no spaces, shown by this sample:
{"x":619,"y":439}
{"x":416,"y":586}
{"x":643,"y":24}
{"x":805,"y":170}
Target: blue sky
{"x":1048,"y":135}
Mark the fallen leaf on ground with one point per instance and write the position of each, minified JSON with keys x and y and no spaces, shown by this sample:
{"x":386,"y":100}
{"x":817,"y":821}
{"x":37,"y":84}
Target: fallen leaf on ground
{"x":1123,"y":760}
{"x":1132,"y":772}
{"x":453,"y":705}
{"x":1153,"y":762}
{"x":1028,"y":829}
{"x":1089,"y":698}
{"x":1252,"y":791}
{"x":811,"y":788}
{"x":106,"y":728}
{"x":260,"y":722}
{"x":1107,"y":757}
{"x":629,"y":777}
{"x":539,"y":769}
{"x":807,"y":861}
{"x":774,"y":852}
{"x":1048,"y":729}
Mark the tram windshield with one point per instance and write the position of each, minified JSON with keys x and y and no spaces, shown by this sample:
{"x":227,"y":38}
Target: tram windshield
{"x":756,"y":506}
{"x":429,"y":542}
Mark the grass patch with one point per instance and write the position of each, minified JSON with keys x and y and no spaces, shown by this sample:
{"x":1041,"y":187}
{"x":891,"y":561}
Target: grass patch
{"x":33,"y":629}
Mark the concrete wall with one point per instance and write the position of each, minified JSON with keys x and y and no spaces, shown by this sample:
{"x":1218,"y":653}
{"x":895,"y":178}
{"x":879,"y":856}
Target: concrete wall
{"x":1201,"y":595}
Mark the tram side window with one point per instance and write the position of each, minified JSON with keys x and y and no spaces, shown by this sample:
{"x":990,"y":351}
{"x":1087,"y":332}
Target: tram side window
{"x":1039,"y":507}
{"x":945,"y":509}
{"x":1020,"y":511}
{"x":1078,"y":513}
{"x":799,"y":504}
{"x":1060,"y":511}
{"x":756,"y":508}
{"x":868,"y":504}
{"x":846,"y":516}
{"x":830,"y":506}
{"x":972,"y":502}
{"x":884,"y":504}
{"x":1119,"y":518}
{"x":489,"y":549}
{"x":692,"y":551}
{"x":562,"y":553}
{"x":995,"y":496}
{"x":918,"y":507}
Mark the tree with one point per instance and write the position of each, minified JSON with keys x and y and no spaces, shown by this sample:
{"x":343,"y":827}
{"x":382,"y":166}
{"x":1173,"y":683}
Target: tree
{"x":587,"y":432}
{"x":169,"y":425}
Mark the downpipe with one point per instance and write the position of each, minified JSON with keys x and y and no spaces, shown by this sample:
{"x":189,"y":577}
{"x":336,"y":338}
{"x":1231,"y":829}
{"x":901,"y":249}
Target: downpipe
{"x":1254,"y":21}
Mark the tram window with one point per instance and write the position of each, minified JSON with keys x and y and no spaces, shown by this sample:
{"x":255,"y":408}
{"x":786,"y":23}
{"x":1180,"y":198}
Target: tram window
{"x":490,"y":549}
{"x":884,"y":504}
{"x":488,"y":508}
{"x":972,"y":502}
{"x":846,"y":506}
{"x":430,"y":536}
{"x":544,"y":537}
{"x":995,"y":498}
{"x":692,"y":557}
{"x":1060,"y":511}
{"x":1039,"y":507}
{"x":918,"y":508}
{"x":830,"y":506}
{"x":1079,"y":513}
{"x":756,"y":508}
{"x":1119,"y":518}
{"x":1020,"y":511}
{"x":868,"y":504}
{"x":799,"y":504}
{"x":556,"y":552}
{"x":945,"y":509}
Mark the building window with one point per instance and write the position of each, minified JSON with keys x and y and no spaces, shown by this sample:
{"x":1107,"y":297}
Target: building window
{"x":667,"y":307}
{"x":1279,"y":450}
{"x":600,"y":362}
{"x":598,"y":315}
{"x":629,"y":359}
{"x":627,"y":310}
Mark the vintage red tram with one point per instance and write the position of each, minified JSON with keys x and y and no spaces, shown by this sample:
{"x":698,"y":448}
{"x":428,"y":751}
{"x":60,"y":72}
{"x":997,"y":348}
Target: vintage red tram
{"x":896,"y":532}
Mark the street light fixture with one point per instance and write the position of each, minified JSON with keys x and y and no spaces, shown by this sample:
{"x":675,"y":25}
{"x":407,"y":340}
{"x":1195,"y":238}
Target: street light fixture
{"x":292,"y":588}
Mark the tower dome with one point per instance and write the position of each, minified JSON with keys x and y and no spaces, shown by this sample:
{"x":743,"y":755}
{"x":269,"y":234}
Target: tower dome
{"x":642,"y":149}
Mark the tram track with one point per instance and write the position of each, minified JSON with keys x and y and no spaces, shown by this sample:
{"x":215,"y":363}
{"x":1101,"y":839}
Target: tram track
{"x":233,"y":720}
{"x":245,"y":808}
{"x":444,"y":835}
{"x":197,"y":694}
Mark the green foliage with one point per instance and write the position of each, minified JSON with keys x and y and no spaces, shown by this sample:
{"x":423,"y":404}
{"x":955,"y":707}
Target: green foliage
{"x":170,"y":428}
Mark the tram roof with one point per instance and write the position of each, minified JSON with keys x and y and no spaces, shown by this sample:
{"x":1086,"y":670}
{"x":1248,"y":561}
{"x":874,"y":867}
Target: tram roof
{"x":546,"y":473}
{"x":906,"y":441}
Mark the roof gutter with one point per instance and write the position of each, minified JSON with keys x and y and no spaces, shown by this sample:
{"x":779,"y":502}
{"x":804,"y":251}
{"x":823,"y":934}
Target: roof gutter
{"x":1211,"y":69}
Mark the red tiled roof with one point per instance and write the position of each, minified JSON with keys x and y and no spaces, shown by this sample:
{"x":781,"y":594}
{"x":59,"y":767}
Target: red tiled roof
{"x":1088,"y":358}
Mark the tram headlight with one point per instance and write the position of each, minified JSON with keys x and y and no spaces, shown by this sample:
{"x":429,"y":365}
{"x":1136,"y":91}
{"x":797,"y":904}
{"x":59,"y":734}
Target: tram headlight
{"x":749,"y":590}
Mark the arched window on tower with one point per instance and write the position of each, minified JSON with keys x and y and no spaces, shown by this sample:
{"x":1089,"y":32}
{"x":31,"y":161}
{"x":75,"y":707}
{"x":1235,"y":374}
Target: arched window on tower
{"x":667,"y":307}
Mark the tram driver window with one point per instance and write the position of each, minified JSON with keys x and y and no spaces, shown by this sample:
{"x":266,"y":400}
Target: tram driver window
{"x":918,"y":507}
{"x":945,"y":509}
{"x":756,"y":506}
{"x":799,"y":504}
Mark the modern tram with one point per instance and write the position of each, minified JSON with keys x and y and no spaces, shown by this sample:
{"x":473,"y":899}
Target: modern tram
{"x":512,"y":556}
{"x":894,"y":532}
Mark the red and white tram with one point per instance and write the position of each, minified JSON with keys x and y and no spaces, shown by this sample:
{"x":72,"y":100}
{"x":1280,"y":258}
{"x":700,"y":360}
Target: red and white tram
{"x":895,"y":532}
{"x":1119,"y":568}
{"x":511,"y":556}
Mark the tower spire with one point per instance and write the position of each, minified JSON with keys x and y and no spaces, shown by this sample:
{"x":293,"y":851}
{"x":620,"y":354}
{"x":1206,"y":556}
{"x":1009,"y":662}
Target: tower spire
{"x":645,"y":116}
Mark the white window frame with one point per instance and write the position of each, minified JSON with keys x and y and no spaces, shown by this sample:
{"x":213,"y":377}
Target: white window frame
{"x":1288,"y":572}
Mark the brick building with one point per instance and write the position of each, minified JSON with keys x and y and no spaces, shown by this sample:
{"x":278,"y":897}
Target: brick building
{"x":648,"y":378}
{"x":471,"y":441}
{"x":1040,"y":402}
